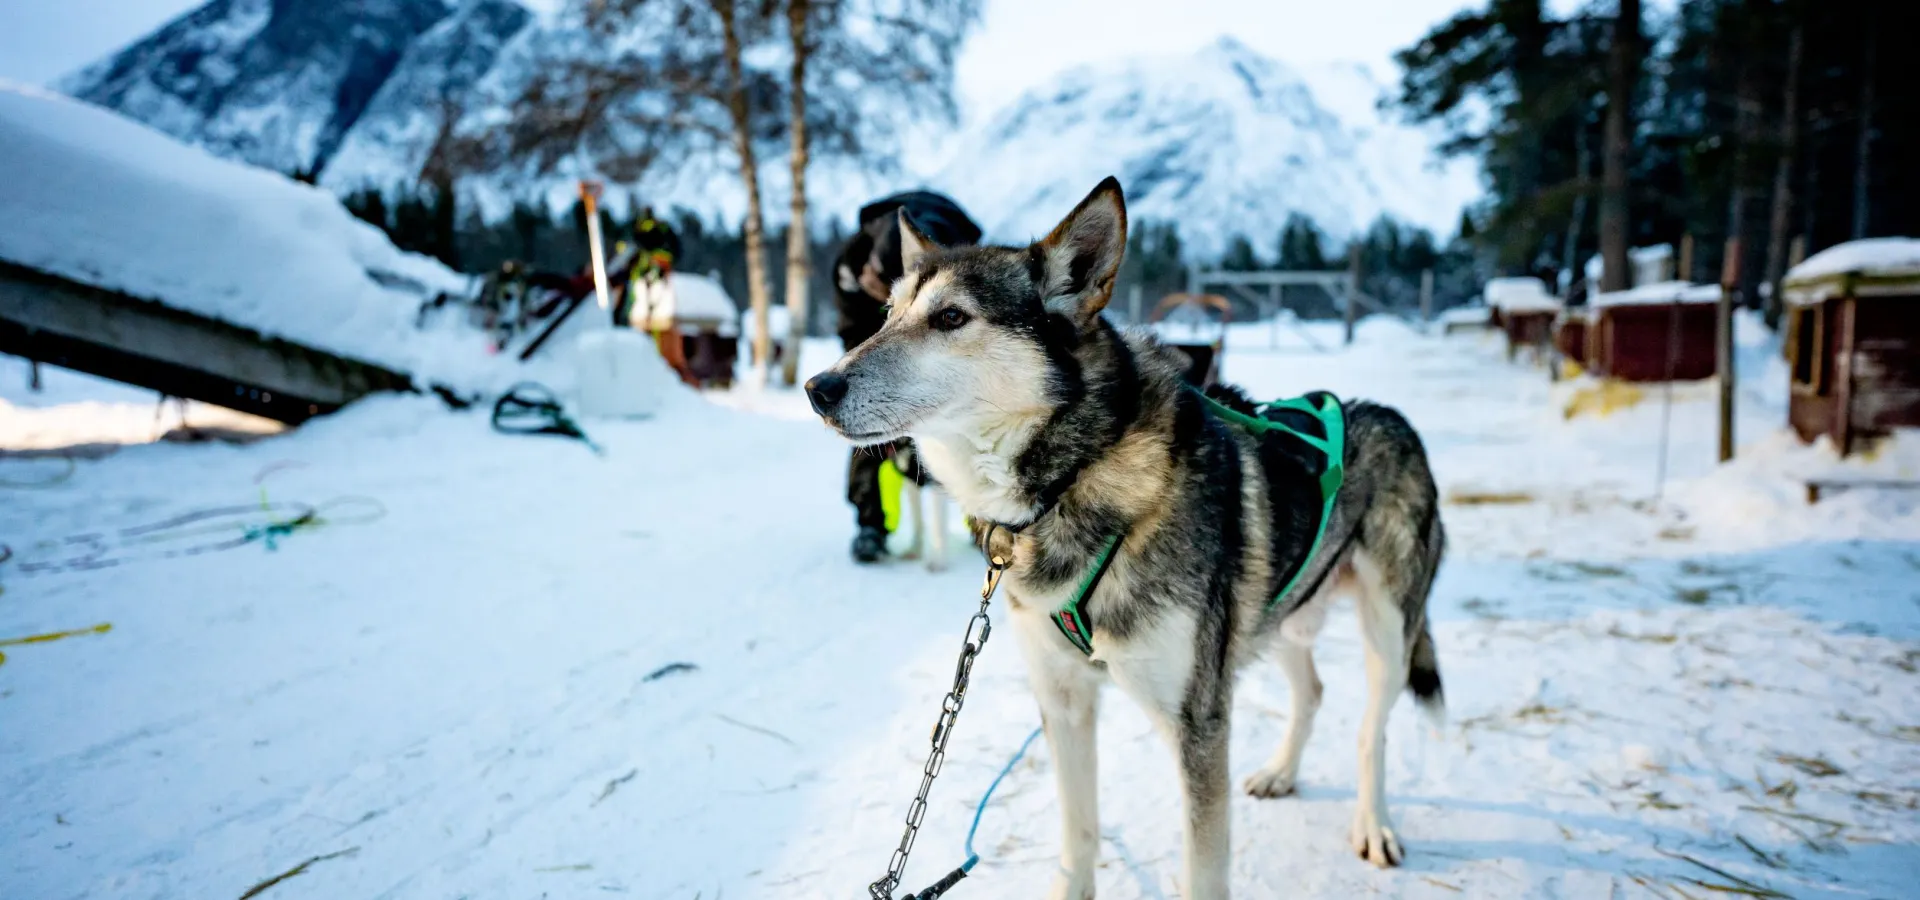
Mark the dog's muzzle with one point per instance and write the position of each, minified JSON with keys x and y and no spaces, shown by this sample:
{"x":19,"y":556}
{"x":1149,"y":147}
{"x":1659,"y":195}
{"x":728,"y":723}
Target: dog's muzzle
{"x":825,"y":391}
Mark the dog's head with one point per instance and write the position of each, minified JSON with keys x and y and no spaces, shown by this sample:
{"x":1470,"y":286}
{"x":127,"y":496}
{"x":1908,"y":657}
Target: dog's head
{"x":974,"y":335}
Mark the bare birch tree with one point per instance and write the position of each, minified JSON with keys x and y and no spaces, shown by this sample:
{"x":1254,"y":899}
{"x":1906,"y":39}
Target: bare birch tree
{"x":861,"y":72}
{"x":799,"y":245}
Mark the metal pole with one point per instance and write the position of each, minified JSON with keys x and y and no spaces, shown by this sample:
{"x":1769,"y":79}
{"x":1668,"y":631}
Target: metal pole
{"x":1426,"y":300}
{"x":1353,"y":287}
{"x":1729,"y":280}
{"x":1133,"y":305}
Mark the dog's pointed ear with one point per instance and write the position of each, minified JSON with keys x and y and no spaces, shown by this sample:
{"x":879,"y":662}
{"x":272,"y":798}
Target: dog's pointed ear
{"x":914,"y":243}
{"x":1080,"y":259}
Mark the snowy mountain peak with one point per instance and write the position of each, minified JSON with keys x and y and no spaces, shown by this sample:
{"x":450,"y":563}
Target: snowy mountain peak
{"x":277,"y":83}
{"x":1223,"y":140}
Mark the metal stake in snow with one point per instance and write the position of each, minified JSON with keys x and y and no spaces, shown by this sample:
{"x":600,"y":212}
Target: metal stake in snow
{"x":590,"y":200}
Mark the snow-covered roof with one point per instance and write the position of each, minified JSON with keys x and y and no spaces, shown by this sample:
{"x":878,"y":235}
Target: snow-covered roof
{"x":692,"y":301}
{"x":700,"y":297}
{"x":1472,"y":312}
{"x":1872,"y":266}
{"x":99,"y":199}
{"x":1521,"y":294}
{"x":1655,"y":253}
{"x":1663,"y":293}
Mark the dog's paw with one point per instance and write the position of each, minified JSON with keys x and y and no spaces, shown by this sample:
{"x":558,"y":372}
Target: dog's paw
{"x":1269,"y":783}
{"x":1373,"y":839}
{"x":936,"y":565}
{"x":910,"y":554}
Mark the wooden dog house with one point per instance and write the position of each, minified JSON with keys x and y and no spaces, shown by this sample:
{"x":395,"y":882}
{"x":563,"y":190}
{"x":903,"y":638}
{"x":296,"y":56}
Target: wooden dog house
{"x":1570,"y":334}
{"x":699,"y":310}
{"x":1853,"y":341}
{"x":1655,"y":332}
{"x":1522,"y":308}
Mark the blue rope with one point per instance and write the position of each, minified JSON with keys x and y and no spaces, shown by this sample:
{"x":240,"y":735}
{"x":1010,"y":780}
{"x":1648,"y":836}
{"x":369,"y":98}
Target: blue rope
{"x":981,"y":810}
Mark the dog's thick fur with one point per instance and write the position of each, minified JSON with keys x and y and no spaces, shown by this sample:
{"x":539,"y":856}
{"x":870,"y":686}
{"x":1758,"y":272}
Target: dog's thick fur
{"x":1036,"y":414}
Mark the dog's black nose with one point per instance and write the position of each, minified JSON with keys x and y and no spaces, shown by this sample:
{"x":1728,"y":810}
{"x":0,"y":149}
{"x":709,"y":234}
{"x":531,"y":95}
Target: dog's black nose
{"x":826,"y":390}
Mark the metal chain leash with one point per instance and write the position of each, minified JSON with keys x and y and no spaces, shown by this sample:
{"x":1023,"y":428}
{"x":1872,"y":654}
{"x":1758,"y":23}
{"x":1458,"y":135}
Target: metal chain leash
{"x":978,"y":628}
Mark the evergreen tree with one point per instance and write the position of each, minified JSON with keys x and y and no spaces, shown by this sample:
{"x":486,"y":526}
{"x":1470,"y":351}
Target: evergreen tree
{"x":1301,"y":245}
{"x":1240,"y":256}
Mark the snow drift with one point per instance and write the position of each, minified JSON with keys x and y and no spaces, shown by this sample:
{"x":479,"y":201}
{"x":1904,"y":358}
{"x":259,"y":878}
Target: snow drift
{"x":99,"y":199}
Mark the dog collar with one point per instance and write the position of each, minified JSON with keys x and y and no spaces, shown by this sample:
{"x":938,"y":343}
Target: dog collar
{"x":1319,"y":411}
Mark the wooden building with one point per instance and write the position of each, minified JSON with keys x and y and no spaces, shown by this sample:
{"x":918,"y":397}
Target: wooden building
{"x":699,"y":310}
{"x":1570,"y":334}
{"x":1524,"y":311}
{"x":1655,"y":332}
{"x":1853,"y":341}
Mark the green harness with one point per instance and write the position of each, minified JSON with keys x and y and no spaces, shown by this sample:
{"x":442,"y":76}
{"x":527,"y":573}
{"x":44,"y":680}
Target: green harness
{"x":1071,"y":617}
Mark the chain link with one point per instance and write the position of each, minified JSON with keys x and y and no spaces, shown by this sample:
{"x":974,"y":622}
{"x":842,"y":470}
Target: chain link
{"x":978,"y":628}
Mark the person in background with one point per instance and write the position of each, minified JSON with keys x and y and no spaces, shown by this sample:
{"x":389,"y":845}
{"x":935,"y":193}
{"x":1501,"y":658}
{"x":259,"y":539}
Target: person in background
{"x":655,"y":246}
{"x":863,"y":275}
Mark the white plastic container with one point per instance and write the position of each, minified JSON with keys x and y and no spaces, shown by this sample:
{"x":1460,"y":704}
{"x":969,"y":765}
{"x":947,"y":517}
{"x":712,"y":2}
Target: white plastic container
{"x":620,"y":374}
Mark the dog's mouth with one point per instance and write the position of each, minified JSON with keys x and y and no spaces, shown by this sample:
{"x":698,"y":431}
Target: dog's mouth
{"x":868,"y":438}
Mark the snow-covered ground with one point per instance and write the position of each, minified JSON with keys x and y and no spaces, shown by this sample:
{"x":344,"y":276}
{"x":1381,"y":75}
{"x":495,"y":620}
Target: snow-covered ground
{"x":464,"y":682}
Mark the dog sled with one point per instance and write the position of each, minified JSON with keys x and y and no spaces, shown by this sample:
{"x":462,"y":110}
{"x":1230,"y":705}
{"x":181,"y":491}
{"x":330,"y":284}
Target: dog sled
{"x":1184,"y":333}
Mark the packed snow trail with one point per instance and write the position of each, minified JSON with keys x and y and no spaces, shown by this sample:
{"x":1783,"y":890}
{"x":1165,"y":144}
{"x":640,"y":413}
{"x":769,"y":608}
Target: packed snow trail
{"x":454,"y":700}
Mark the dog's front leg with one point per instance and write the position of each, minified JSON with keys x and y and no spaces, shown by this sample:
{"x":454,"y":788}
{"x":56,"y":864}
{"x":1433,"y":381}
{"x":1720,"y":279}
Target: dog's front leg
{"x":1068,"y":690}
{"x":1181,"y":689}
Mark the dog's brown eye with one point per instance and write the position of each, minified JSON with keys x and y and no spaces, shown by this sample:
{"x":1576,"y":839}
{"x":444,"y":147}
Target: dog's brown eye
{"x":949,"y":319}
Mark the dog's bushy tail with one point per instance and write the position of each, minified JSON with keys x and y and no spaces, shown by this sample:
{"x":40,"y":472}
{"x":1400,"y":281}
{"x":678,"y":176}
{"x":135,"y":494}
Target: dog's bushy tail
{"x":1423,"y":677}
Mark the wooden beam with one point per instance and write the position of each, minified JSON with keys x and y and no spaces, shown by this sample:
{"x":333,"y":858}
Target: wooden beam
{"x":1199,"y":279}
{"x":52,"y":319}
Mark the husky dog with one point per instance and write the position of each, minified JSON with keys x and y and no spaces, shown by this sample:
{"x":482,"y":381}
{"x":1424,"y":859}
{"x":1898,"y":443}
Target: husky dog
{"x":1060,"y":434}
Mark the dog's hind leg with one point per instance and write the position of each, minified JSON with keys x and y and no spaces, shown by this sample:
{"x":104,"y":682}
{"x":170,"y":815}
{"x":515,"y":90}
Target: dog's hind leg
{"x":1279,"y":777}
{"x":1384,"y":634}
{"x":912,"y":513}
{"x":937,"y":532}
{"x":1068,"y":690}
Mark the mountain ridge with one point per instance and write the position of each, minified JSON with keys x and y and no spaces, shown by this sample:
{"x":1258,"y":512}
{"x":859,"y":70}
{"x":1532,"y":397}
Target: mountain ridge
{"x":1222,"y":141}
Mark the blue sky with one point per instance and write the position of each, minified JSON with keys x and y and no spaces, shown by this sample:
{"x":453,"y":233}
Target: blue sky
{"x":1021,"y":43}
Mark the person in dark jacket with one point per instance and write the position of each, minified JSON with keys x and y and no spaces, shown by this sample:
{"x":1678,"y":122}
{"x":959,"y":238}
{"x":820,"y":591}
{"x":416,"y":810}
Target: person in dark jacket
{"x":863,"y":275}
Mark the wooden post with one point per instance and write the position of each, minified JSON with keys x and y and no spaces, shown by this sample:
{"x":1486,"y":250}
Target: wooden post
{"x":1426,"y":300}
{"x":33,"y":375}
{"x":1797,"y":251}
{"x":1353,"y":287}
{"x":1729,"y":280}
{"x":1685,"y":272}
{"x":590,"y":200}
{"x":1274,"y":296}
{"x":1843,"y":373}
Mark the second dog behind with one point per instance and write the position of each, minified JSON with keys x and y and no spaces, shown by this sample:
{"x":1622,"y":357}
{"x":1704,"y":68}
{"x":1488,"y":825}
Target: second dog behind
{"x":924,"y":534}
